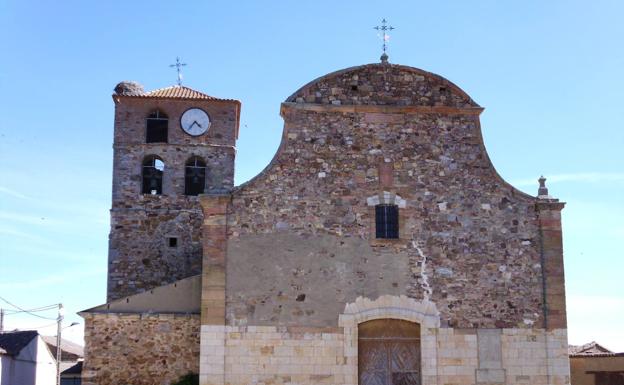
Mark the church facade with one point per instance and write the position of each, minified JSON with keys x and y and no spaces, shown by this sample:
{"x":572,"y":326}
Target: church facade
{"x":378,"y":247}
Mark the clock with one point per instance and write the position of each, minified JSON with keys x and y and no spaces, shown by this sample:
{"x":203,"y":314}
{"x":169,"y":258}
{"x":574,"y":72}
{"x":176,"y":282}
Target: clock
{"x":195,"y":121}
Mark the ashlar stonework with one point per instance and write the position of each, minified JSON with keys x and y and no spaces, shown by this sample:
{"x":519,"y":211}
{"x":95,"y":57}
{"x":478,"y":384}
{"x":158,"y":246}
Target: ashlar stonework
{"x":278,"y":274}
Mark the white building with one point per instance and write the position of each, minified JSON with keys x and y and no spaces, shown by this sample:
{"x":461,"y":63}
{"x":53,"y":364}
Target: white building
{"x":25,"y":359}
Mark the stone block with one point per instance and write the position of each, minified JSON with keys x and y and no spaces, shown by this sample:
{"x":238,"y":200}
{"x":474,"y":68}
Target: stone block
{"x":490,"y":376}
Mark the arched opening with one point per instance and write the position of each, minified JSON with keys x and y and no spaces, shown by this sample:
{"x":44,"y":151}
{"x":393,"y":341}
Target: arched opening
{"x":195,"y":176}
{"x":157,"y":127}
{"x":152,"y":173}
{"x":389,"y":352}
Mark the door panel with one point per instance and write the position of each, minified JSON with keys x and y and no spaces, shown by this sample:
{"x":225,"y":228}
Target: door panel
{"x":404,"y":356}
{"x":389,"y":353}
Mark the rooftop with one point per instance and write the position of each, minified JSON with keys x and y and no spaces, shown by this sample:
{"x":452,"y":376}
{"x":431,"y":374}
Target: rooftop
{"x":13,"y":342}
{"x":135,"y":90}
{"x":591,"y":349}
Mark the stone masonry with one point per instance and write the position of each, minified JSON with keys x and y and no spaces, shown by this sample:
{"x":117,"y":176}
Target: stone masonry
{"x":139,"y":349}
{"x":290,"y":264}
{"x":139,"y":256}
{"x":310,"y":206}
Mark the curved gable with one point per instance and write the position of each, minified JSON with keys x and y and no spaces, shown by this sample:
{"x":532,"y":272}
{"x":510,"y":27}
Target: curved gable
{"x":383,"y":84}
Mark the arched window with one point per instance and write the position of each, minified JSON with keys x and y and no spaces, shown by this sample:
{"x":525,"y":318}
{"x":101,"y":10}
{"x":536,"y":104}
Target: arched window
{"x":152,"y":173}
{"x":157,"y":124}
{"x":195,"y":176}
{"x":387,"y":221}
{"x":389,"y":352}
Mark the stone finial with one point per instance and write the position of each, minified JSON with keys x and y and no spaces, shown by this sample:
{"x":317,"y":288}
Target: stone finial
{"x":542,"y":192}
{"x":384,"y":58}
{"x":130,"y":88}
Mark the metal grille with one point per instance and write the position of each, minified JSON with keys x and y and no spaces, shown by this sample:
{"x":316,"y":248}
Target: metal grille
{"x":195,"y":176}
{"x":152,"y":173}
{"x":387,"y":221}
{"x":157,"y":127}
{"x":389,"y":353}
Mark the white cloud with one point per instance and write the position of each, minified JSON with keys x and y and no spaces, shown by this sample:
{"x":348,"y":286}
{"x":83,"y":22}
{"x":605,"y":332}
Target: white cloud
{"x":7,"y":230}
{"x":28,"y":219}
{"x":56,"y":279}
{"x":13,"y":193}
{"x":583,"y":177}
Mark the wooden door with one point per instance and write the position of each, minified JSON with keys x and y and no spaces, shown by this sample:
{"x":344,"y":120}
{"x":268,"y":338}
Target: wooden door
{"x":389,"y":352}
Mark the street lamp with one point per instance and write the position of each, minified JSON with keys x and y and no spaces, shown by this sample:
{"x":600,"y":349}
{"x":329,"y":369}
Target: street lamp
{"x":59,"y":328}
{"x":59,"y":321}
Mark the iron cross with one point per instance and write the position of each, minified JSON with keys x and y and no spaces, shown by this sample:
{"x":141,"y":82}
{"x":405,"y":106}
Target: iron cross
{"x":384,"y":28}
{"x":178,"y":65}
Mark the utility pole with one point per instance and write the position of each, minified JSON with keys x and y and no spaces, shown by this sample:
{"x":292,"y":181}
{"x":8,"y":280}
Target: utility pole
{"x":59,"y":321}
{"x":1,"y":320}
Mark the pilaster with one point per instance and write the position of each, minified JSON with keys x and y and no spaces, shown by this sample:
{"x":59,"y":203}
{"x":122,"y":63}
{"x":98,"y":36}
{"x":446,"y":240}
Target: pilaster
{"x":214,"y":242}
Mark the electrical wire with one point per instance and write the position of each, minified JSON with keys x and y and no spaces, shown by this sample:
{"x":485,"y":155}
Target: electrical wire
{"x":40,"y":327}
{"x":38,"y":309}
{"x":27,"y":311}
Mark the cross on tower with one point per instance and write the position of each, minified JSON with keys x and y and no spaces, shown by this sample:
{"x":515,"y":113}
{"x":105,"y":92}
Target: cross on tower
{"x":385,"y":37}
{"x":178,"y":65}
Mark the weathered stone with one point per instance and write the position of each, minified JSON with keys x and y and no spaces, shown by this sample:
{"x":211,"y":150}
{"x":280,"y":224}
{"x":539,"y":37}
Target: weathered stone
{"x":146,"y":350}
{"x":140,"y":257}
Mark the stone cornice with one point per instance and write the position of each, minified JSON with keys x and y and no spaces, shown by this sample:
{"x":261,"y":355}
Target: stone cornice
{"x":550,"y":205}
{"x":393,"y":109}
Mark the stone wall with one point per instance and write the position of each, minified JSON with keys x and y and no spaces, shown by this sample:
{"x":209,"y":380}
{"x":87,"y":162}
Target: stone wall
{"x":140,"y":257}
{"x":461,"y":226}
{"x":376,"y":84}
{"x":137,"y":349}
{"x":300,"y":355}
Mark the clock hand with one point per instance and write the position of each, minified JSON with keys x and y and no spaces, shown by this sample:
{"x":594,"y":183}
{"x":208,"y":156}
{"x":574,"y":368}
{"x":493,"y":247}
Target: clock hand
{"x":194,"y":123}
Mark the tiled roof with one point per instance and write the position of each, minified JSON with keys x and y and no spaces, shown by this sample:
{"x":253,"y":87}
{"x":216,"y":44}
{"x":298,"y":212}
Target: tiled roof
{"x":13,"y":342}
{"x":589,"y":349}
{"x":71,"y":351}
{"x":178,"y":92}
{"x":73,"y":368}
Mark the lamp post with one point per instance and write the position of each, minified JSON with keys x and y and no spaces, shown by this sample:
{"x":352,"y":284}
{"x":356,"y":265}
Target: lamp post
{"x":59,"y":351}
{"x":59,"y":322}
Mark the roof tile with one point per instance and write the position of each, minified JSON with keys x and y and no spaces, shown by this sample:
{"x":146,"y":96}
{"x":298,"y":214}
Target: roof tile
{"x":13,"y":342}
{"x":178,"y":92}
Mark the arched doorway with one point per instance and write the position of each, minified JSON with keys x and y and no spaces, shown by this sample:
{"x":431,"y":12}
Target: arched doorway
{"x":389,"y":352}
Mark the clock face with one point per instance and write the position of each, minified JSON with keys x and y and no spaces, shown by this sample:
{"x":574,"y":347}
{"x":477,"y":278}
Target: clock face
{"x":195,"y":121}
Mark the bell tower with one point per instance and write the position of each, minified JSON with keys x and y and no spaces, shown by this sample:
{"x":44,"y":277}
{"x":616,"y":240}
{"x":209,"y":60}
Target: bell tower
{"x":170,"y":145}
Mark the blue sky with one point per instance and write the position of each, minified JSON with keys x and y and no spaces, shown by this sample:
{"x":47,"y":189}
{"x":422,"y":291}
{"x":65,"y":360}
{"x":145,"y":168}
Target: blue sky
{"x":548,"y":73}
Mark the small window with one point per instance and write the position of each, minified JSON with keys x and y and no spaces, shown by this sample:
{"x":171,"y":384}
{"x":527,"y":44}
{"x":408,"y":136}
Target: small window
{"x":387,"y":221}
{"x":173,"y":242}
{"x":157,"y":125}
{"x":195,"y":176}
{"x":153,"y":168}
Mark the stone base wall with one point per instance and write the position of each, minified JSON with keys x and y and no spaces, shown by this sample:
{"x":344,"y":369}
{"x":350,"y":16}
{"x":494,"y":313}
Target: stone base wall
{"x":272,"y":355}
{"x":136,"y":349}
{"x":242,"y":355}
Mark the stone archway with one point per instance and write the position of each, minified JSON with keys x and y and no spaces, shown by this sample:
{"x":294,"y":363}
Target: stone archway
{"x":423,"y":313}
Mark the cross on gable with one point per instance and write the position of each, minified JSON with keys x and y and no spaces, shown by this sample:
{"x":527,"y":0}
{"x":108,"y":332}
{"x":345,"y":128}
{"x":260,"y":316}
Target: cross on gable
{"x":178,"y":65}
{"x":384,"y":28}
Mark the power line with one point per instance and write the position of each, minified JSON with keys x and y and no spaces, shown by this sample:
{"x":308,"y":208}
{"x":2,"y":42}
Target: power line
{"x":38,"y":309}
{"x":27,"y":311}
{"x":39,"y":327}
